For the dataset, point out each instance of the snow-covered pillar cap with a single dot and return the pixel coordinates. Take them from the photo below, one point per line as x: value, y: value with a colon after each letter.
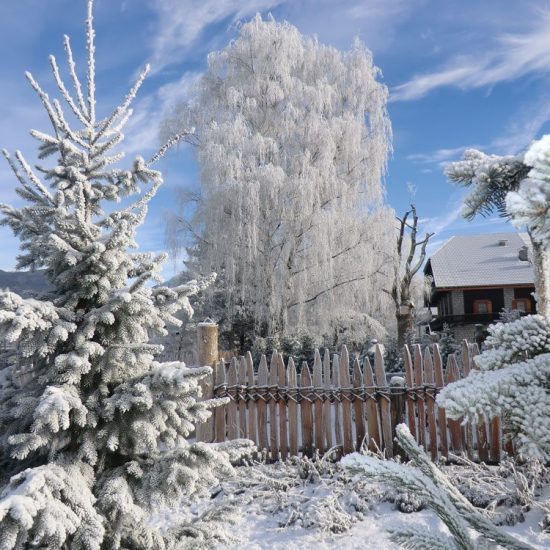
x: 207, y: 322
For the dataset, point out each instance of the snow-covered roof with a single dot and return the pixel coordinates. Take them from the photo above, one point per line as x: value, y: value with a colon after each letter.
x: 482, y: 260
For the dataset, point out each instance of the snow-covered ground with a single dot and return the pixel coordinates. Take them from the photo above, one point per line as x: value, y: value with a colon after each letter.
x: 259, y: 530
x: 305, y: 504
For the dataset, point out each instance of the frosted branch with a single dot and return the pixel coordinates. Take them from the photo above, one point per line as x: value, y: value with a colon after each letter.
x: 45, y: 101
x: 170, y: 143
x: 32, y: 177
x: 75, y: 79
x: 90, y: 35
x: 121, y: 110
x: 65, y: 93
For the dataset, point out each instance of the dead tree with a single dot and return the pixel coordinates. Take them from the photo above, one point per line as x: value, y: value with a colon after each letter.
x: 407, y: 266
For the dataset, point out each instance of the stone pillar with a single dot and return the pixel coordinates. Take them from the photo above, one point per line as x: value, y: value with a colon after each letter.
x: 457, y: 298
x: 508, y: 297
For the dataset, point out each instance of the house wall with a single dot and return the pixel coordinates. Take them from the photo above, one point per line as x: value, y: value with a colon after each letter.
x: 496, y: 295
x: 508, y: 297
x: 526, y: 292
x: 457, y: 301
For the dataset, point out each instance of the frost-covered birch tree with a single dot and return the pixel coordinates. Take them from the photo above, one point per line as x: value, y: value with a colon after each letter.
x: 292, y: 142
x: 96, y: 438
x: 519, y: 187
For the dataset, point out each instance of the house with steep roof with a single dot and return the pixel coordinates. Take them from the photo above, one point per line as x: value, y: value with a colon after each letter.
x: 475, y: 277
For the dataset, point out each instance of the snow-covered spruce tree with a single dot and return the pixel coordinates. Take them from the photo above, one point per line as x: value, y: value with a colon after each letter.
x: 469, y: 528
x: 292, y: 142
x: 514, y: 376
x: 97, y: 437
x: 513, y: 381
x: 519, y: 187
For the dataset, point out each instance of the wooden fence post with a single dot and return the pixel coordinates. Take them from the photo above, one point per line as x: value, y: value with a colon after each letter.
x: 384, y: 401
x: 397, y: 397
x: 442, y: 417
x: 306, y: 388
x: 219, y: 412
x: 429, y: 381
x: 466, y: 367
x: 318, y: 403
x: 261, y: 406
x: 409, y: 378
x: 374, y: 440
x: 207, y: 348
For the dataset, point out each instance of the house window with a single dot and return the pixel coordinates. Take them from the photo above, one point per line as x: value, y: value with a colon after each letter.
x: 483, y: 306
x: 522, y: 304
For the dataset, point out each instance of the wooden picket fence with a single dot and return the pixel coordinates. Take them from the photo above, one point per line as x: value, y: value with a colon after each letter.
x: 340, y: 405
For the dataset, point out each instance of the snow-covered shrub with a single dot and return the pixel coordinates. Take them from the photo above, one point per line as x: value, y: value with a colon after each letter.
x: 508, y: 315
x: 96, y: 438
x: 313, y: 494
x: 424, y: 479
x: 507, y: 491
x: 447, y: 343
x: 393, y: 356
x: 513, y: 382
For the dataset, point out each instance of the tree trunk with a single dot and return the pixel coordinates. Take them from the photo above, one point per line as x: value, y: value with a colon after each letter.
x: 541, y: 266
x: 404, y: 325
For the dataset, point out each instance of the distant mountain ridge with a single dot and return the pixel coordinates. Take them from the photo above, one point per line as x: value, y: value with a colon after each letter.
x: 25, y: 283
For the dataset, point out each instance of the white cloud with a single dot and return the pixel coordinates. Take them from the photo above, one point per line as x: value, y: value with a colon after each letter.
x: 511, y: 56
x: 524, y: 127
x: 182, y: 22
x: 439, y: 156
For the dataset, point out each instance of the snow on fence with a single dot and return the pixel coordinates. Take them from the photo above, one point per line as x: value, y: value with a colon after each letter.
x: 342, y: 404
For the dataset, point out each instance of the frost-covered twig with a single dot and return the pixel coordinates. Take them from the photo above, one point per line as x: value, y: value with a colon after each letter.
x: 445, y: 499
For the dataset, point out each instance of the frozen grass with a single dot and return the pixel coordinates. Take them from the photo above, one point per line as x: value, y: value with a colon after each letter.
x: 304, y: 504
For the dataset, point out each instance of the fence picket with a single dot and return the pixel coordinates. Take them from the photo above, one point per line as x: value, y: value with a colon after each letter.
x: 496, y: 439
x: 358, y: 406
x: 241, y: 379
x: 429, y: 380
x: 336, y: 384
x: 273, y: 378
x: 420, y: 404
x: 305, y: 410
x: 232, y: 427
x: 262, y: 405
x: 410, y: 402
x: 466, y: 367
x: 482, y: 436
x: 455, y: 429
x: 327, y: 407
x: 385, y: 409
x: 281, y: 377
x: 318, y: 402
x: 441, y: 416
x: 374, y: 442
x: 292, y: 408
x: 219, y: 412
x: 346, y: 404
x: 252, y: 413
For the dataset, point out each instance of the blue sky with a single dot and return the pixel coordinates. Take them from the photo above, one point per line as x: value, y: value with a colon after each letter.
x: 460, y: 73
